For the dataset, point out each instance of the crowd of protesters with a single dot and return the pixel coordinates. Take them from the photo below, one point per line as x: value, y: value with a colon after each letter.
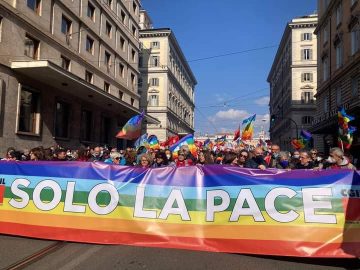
x: 257, y: 158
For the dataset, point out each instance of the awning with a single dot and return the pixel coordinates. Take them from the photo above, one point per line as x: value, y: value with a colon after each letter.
x: 59, y: 78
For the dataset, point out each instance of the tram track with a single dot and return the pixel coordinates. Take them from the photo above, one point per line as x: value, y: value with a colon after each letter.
x: 36, y: 256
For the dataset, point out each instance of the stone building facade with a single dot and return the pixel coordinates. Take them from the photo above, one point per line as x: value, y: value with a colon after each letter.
x: 68, y: 71
x: 292, y: 80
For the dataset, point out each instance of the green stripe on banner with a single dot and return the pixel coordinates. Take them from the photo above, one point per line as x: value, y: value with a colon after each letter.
x: 81, y: 197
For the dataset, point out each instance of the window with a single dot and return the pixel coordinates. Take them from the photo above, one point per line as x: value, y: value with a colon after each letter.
x: 88, y: 76
x: 133, y: 55
x: 134, y: 7
x: 105, y: 134
x: 62, y: 119
x: 89, y: 45
x: 155, y: 61
x: 154, y: 100
x: 307, y: 54
x: 29, y: 112
x: 133, y: 79
x: 32, y: 47
x: 307, y: 77
x: 325, y: 66
x: 86, y: 125
x: 354, y: 86
x: 91, y: 11
x: 65, y: 26
x: 325, y: 33
x: 132, y: 101
x: 122, y: 43
x: 121, y: 70
x: 65, y: 63
x: 35, y: 5
x: 307, y: 97
x: 306, y: 36
x: 107, y: 61
x: 338, y: 14
x: 123, y: 16
x: 108, y: 28
x: 133, y: 29
x: 155, y: 45
x: 355, y: 40
x: 107, y: 87
x: 339, y: 54
x: 338, y: 95
x: 121, y: 95
x: 306, y: 120
x: 154, y: 82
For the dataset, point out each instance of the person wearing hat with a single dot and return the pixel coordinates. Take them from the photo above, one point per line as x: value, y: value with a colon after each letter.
x: 160, y: 160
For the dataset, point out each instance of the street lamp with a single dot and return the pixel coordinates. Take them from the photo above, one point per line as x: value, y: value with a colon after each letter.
x: 273, y: 117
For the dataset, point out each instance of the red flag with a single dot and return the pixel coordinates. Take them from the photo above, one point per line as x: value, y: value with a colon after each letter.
x: 237, y: 134
x: 170, y: 141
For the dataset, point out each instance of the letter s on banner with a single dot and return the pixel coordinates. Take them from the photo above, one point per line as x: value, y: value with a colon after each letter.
x: 211, y: 208
x: 19, y: 193
x: 310, y: 205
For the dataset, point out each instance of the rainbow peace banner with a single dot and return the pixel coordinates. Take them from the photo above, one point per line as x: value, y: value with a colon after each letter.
x: 210, y: 208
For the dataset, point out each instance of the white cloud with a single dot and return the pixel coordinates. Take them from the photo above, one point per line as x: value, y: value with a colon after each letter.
x: 229, y: 120
x: 263, y: 101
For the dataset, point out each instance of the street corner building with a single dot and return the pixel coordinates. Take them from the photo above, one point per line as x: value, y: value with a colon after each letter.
x: 68, y: 71
x: 292, y: 80
x: 167, y: 83
x: 338, y: 33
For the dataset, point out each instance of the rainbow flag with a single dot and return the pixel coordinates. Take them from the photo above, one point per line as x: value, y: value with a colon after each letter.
x: 132, y: 129
x: 303, y: 141
x: 187, y: 140
x: 208, y: 208
x: 141, y: 141
x: 346, y: 131
x: 153, y: 142
x: 248, y: 131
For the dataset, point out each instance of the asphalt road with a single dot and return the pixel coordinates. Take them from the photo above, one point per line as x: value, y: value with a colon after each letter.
x: 62, y: 256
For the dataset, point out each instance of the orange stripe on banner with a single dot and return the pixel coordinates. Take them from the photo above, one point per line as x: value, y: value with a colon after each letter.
x: 265, y: 247
x: 290, y: 233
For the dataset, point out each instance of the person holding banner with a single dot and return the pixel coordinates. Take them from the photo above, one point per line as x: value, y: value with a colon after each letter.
x: 305, y: 161
x: 337, y: 160
x: 257, y: 161
x: 182, y: 161
x: 160, y: 160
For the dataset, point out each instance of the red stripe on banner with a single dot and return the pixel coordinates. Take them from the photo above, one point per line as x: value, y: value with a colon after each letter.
x: 352, y: 209
x: 262, y: 247
x: 2, y: 192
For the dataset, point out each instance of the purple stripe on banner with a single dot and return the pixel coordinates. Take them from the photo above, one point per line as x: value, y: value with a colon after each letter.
x: 214, y: 175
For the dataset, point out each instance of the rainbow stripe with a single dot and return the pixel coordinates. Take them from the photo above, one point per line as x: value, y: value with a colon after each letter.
x: 187, y: 140
x: 248, y: 131
x: 153, y: 142
x: 123, y: 226
x: 132, y: 129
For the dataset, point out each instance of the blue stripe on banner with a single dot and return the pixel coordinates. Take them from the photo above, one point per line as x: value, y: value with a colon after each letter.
x: 214, y: 175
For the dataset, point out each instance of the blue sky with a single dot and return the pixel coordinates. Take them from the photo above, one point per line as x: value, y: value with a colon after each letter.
x: 233, y: 87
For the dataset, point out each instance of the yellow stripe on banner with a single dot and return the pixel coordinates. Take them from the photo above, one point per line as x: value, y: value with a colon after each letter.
x: 285, y: 233
x: 197, y: 217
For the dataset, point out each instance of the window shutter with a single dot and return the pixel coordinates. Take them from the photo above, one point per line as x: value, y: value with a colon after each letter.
x: 311, y: 77
x: 310, y: 54
x: 310, y: 36
x: 302, y: 77
x: 302, y: 54
x: 302, y: 36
